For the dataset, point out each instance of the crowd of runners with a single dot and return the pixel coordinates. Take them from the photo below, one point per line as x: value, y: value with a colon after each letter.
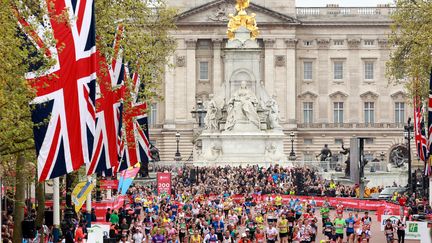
x: 200, y: 209
x: 197, y: 219
x: 220, y: 205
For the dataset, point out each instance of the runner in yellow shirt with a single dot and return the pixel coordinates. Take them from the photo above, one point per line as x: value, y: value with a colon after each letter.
x: 260, y: 221
x: 283, y: 229
x: 278, y: 201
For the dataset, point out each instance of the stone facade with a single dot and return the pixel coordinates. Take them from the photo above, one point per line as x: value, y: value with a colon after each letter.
x: 326, y: 67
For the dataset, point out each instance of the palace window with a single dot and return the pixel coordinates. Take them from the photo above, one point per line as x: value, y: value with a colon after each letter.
x: 153, y: 114
x: 369, y: 70
x: 399, y: 112
x: 338, y: 42
x: 369, y: 42
x: 338, y: 112
x: 307, y: 141
x: 308, y: 112
x: 308, y: 42
x: 204, y: 70
x: 307, y: 70
x: 338, y: 70
x: 369, y: 112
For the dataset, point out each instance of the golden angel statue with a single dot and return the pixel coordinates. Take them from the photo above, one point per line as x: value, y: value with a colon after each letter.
x: 242, y: 5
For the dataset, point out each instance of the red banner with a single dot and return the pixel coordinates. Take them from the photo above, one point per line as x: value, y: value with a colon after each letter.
x: 100, y: 207
x: 108, y: 184
x: 164, y: 183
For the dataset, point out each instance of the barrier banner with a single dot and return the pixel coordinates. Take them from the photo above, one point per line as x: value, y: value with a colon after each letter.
x: 163, y: 183
x: 382, y: 207
x: 108, y: 184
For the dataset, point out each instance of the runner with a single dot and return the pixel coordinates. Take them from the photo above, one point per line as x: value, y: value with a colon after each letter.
x: 340, y: 224
x: 283, y: 229
x: 271, y: 233
x: 366, y: 229
x: 324, y: 211
x: 389, y: 231
x: 350, y: 228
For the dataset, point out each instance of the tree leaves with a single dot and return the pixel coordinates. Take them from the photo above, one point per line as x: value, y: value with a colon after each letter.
x: 410, y: 59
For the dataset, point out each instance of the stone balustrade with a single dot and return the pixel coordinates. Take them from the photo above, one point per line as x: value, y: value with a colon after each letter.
x: 350, y: 125
x: 344, y: 11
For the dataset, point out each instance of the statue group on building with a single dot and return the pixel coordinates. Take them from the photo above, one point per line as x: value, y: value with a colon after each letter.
x: 242, y: 108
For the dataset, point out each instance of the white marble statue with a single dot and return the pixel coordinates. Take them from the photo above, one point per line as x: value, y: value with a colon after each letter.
x: 213, y: 115
x: 242, y: 107
x: 273, y: 113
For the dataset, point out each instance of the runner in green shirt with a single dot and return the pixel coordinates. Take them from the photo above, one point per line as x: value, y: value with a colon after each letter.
x: 324, y: 211
x: 340, y: 225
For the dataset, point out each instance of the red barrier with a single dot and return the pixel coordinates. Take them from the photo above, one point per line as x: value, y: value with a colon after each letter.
x: 100, y: 207
x: 381, y: 207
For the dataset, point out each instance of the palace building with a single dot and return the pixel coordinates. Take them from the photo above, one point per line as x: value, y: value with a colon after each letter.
x: 324, y: 65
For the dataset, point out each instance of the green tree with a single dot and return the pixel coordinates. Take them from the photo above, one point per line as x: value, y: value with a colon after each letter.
x: 146, y: 43
x: 411, y: 38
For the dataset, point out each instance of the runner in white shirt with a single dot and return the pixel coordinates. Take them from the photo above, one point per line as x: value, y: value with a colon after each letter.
x: 271, y: 233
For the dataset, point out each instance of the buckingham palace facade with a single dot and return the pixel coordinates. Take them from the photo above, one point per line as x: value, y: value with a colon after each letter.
x: 325, y: 66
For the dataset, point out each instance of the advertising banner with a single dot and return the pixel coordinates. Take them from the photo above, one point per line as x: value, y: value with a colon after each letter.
x: 97, y: 232
x: 164, y: 183
x: 417, y: 231
x: 108, y: 184
x: 393, y: 218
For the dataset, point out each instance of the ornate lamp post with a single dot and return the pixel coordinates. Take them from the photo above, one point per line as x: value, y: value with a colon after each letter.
x: 292, y: 155
x: 408, y: 129
x: 199, y: 113
x: 382, y: 157
x: 177, y: 156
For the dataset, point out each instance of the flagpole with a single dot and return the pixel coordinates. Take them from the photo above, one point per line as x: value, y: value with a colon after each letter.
x: 56, y: 209
x: 1, y: 210
x: 89, y: 205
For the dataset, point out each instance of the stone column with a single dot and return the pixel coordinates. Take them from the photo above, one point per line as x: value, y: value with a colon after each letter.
x: 269, y: 65
x: 190, y: 79
x: 291, y: 105
x: 169, y: 96
x: 217, y: 65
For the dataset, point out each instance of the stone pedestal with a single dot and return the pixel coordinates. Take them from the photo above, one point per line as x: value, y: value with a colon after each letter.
x: 248, y: 138
x: 241, y: 147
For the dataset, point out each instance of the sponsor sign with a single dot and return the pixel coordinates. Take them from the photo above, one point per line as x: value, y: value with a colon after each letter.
x: 97, y: 232
x: 164, y: 183
x: 417, y: 231
x: 393, y: 218
x: 108, y: 184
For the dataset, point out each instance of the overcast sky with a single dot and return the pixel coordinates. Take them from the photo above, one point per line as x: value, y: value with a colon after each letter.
x: 342, y: 3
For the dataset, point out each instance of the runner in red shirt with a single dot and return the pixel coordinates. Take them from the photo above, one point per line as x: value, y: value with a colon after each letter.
x: 339, y: 209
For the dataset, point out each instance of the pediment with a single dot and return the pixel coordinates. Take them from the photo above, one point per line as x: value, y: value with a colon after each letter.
x: 307, y: 95
x: 338, y: 95
x: 369, y: 95
x: 216, y: 13
x: 398, y: 95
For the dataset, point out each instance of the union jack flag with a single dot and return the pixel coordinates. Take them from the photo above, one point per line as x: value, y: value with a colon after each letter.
x: 109, y: 110
x: 65, y: 94
x: 420, y: 135
x: 429, y: 144
x: 136, y: 145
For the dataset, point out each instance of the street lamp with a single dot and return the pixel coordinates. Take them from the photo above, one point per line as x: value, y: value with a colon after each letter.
x: 177, y: 156
x: 199, y: 113
x: 408, y: 129
x: 292, y: 155
x: 382, y: 156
